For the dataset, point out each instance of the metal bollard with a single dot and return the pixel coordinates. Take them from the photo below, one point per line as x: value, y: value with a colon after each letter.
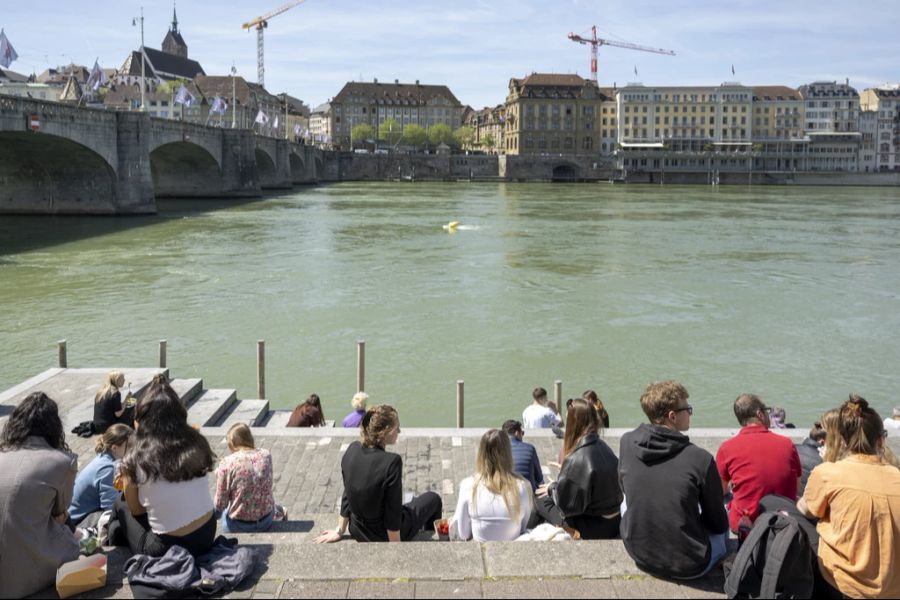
x: 261, y: 369
x: 360, y: 365
x: 162, y: 354
x: 63, y: 359
x: 557, y: 394
x: 460, y: 401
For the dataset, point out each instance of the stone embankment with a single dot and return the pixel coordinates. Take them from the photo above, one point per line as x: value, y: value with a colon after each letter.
x: 308, y: 482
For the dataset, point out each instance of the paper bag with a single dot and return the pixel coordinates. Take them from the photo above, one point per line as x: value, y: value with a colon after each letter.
x: 82, y: 575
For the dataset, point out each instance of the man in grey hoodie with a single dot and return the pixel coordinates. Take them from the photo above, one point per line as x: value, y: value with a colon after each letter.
x: 675, y: 524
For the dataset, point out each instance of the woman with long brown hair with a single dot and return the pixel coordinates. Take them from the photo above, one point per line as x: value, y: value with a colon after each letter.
x: 372, y: 504
x: 495, y: 504
x: 586, y: 497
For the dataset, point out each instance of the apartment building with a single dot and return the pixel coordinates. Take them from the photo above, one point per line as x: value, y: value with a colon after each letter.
x: 868, y: 134
x: 489, y: 125
x: 779, y: 118
x: 553, y: 114
x: 320, y: 121
x: 406, y: 103
x: 885, y: 104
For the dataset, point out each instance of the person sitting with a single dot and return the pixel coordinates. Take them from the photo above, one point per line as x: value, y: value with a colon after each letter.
x: 586, y: 497
x: 37, y: 472
x: 857, y: 502
x: 94, y: 490
x: 525, y: 458
x: 108, y: 408
x: 371, y: 505
x: 892, y: 424
x: 359, y: 401
x: 540, y: 414
x: 592, y: 397
x: 165, y: 475
x: 756, y: 463
x: 777, y: 418
x: 244, y: 485
x: 308, y: 414
x: 495, y: 504
x: 674, y: 524
x: 810, y: 452
x: 833, y: 450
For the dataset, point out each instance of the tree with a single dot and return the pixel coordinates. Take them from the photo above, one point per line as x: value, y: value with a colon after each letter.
x: 390, y: 131
x: 361, y: 133
x: 414, y: 135
x: 464, y: 136
x: 487, y: 141
x: 440, y: 134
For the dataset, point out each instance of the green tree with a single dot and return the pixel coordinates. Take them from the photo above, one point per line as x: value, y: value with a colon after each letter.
x: 170, y: 87
x: 488, y: 141
x: 464, y: 136
x: 390, y: 131
x: 414, y: 135
x: 361, y: 133
x: 440, y: 134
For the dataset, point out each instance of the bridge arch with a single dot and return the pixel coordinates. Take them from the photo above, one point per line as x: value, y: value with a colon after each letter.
x: 52, y: 174
x: 565, y: 172
x: 298, y: 168
x: 183, y: 169
x: 265, y: 166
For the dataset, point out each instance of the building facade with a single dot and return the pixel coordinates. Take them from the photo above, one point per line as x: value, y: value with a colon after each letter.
x: 320, y: 120
x: 374, y: 103
x: 779, y: 117
x: 831, y: 107
x: 489, y: 125
x: 548, y: 113
x: 885, y: 104
x: 868, y: 134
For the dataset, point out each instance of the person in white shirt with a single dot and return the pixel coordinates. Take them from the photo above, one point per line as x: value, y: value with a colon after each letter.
x: 495, y: 504
x: 540, y: 414
x: 892, y: 425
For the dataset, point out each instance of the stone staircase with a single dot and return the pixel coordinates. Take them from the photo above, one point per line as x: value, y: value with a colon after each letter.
x: 218, y: 407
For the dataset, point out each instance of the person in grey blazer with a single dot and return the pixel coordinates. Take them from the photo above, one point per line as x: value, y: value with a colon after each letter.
x: 37, y: 474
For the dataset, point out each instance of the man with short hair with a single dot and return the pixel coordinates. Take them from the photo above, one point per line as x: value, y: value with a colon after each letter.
x: 525, y: 457
x: 540, y: 414
x: 809, y: 451
x: 674, y: 522
x: 756, y: 462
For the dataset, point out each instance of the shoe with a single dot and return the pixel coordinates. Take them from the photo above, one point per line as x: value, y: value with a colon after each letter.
x: 280, y: 513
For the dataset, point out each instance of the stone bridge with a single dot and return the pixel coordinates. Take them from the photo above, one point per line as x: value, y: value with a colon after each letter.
x: 59, y: 159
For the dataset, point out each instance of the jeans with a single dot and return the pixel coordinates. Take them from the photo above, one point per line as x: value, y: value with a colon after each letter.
x: 230, y: 525
x: 718, y: 550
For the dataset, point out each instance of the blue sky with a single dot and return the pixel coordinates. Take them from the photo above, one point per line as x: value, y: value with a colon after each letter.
x: 475, y: 46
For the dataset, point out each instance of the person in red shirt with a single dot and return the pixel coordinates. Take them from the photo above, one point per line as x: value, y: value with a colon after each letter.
x: 756, y: 463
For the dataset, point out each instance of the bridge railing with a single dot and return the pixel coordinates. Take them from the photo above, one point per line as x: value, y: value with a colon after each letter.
x: 56, y: 111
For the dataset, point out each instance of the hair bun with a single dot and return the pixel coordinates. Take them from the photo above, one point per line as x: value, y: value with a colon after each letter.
x: 857, y: 403
x: 367, y: 418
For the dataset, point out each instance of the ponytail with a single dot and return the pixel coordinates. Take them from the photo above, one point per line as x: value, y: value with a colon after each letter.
x: 860, y: 426
x: 377, y: 424
x: 115, y: 435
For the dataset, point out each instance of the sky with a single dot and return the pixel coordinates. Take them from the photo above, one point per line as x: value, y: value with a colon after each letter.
x: 476, y: 46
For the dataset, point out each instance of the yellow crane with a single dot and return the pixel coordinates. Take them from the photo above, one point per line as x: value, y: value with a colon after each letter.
x: 260, y: 23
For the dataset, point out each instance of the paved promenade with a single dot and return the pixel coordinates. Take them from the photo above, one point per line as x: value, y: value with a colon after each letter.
x: 308, y: 482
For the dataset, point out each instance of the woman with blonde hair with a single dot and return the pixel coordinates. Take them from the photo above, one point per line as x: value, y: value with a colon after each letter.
x: 354, y: 419
x: 495, y: 504
x: 834, y: 446
x: 108, y: 407
x: 244, y: 487
x: 372, y: 503
x: 94, y: 490
x: 586, y: 497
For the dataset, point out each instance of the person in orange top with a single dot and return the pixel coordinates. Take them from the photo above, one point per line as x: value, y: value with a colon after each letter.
x: 857, y: 502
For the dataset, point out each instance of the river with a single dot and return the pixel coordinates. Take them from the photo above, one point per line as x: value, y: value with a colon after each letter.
x: 789, y: 292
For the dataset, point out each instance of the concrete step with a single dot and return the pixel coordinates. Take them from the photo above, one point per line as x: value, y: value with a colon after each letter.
x: 77, y: 387
x: 187, y: 389
x: 250, y: 412
x: 277, y: 419
x: 209, y: 407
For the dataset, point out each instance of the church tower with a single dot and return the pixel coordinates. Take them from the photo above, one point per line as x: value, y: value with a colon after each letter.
x: 174, y: 43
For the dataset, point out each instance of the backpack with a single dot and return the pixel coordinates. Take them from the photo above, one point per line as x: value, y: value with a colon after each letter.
x: 775, y: 561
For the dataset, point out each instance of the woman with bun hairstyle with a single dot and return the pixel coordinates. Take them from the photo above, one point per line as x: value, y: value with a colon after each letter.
x: 592, y: 397
x: 372, y: 503
x: 857, y: 502
x: 94, y: 489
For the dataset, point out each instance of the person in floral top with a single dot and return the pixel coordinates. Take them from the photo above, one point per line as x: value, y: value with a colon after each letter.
x: 244, y: 485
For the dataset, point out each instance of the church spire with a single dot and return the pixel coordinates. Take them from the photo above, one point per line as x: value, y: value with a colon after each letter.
x: 174, y: 19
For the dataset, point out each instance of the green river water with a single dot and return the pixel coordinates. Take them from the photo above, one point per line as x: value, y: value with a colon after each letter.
x: 791, y: 293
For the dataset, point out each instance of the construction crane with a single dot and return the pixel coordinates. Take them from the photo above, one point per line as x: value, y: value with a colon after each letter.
x: 260, y: 23
x: 596, y: 42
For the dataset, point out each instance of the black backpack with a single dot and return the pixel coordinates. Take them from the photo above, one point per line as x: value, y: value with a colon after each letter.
x: 775, y: 561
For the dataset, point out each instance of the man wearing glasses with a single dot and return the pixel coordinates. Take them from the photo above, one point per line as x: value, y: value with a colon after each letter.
x: 674, y: 524
x: 756, y: 463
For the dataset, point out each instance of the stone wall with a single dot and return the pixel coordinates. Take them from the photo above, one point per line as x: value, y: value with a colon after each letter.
x: 349, y: 166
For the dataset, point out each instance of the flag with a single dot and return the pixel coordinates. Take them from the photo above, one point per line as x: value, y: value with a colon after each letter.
x: 97, y: 77
x: 732, y: 69
x: 276, y: 122
x: 184, y: 97
x: 218, y: 106
x: 7, y: 52
x: 262, y: 118
x: 635, y: 71
x: 297, y: 130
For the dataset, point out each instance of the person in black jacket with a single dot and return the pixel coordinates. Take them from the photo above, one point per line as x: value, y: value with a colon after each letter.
x: 372, y: 503
x: 810, y: 455
x: 674, y: 524
x: 586, y: 497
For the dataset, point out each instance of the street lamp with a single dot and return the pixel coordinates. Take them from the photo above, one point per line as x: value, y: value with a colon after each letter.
x: 233, y: 103
x: 134, y: 23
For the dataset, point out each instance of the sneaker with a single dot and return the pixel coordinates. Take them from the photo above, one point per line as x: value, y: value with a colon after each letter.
x: 280, y: 513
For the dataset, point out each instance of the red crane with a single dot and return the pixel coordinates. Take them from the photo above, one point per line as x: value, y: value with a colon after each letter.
x: 596, y: 42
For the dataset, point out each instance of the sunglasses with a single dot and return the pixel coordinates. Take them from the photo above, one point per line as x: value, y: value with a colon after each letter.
x: 688, y: 408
